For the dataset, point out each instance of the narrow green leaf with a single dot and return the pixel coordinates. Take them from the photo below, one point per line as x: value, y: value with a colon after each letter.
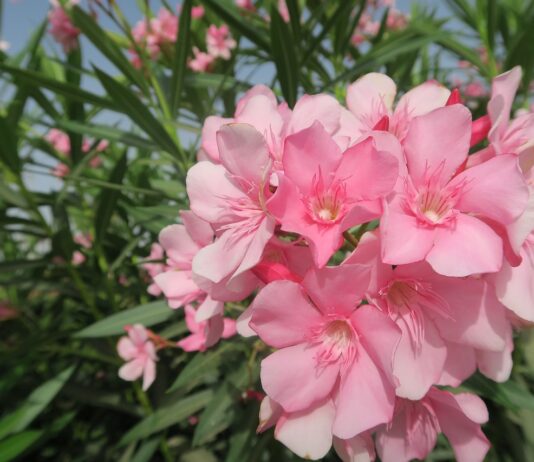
x: 181, y: 51
x: 19, y: 420
x: 202, y: 364
x: 101, y: 40
x: 108, y: 199
x: 14, y: 265
x: 17, y: 444
x: 285, y: 57
x: 8, y: 146
x: 148, y: 315
x: 138, y: 112
x: 146, y: 451
x: 21, y: 76
x: 508, y: 394
x: 167, y: 416
x: 218, y: 415
x: 229, y: 14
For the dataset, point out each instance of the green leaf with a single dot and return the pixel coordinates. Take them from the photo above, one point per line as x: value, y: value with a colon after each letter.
x: 167, y: 416
x: 17, y: 444
x: 285, y: 57
x: 218, y: 415
x: 181, y: 51
x: 204, y: 363
x: 148, y: 315
x: 230, y: 15
x: 101, y: 40
x: 8, y: 146
x: 19, y: 420
x: 14, y: 265
x: 146, y: 451
x: 509, y: 394
x: 108, y: 199
x: 138, y: 112
x: 21, y: 76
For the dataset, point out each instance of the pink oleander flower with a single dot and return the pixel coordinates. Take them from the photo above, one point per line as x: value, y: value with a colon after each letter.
x: 154, y: 268
x: 510, y: 136
x: 202, y: 62
x: 309, y: 433
x: 61, y: 27
x: 329, y: 349
x: 414, y: 429
x: 61, y: 170
x: 246, y: 4
x: 475, y: 90
x: 513, y: 283
x: 259, y: 108
x: 396, y: 19
x: 78, y: 258
x: 283, y: 10
x: 206, y: 333
x: 439, y: 214
x: 232, y: 197
x: 371, y: 98
x: 178, y: 283
x: 140, y: 353
x: 440, y: 319
x: 59, y: 140
x: 7, y: 311
x: 84, y: 239
x: 197, y: 12
x: 219, y: 41
x: 325, y: 191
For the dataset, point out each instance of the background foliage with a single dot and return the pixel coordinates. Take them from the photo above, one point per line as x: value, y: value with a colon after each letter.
x: 61, y: 398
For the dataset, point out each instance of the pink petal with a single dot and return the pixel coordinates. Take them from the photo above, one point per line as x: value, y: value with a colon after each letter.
x: 366, y: 172
x: 211, y: 126
x: 371, y: 97
x: 132, y: 370
x: 477, y: 318
x: 312, y: 108
x: 208, y: 309
x: 470, y: 247
x: 213, y: 330
x: 292, y: 377
x: 366, y: 398
x: 126, y: 349
x: 277, y: 325
x: 337, y: 288
x: 380, y: 336
x: 270, y: 412
x: 200, y: 230
x: 460, y: 364
x: 420, y: 100
x: 242, y: 324
x: 404, y: 240
x: 209, y: 189
x: 307, y: 153
x: 138, y: 334
x: 261, y: 112
x: 418, y: 365
x: 439, y: 139
x: 179, y: 245
x: 230, y: 328
x: 149, y: 374
x: 360, y: 448
x: 495, y: 189
x: 193, y: 342
x: 503, y: 89
x: 497, y: 365
x: 308, y: 433
x: 466, y: 437
x: 514, y: 286
x: 253, y: 92
x: 244, y: 153
x: 178, y: 286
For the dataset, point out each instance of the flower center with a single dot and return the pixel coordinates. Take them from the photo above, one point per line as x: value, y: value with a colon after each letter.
x: 327, y: 204
x: 338, y: 342
x: 434, y: 205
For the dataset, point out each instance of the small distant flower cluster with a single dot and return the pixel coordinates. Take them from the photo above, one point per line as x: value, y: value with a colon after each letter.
x: 369, y: 23
x: 61, y: 27
x: 219, y: 44
x: 385, y: 261
x: 155, y: 36
x: 60, y: 141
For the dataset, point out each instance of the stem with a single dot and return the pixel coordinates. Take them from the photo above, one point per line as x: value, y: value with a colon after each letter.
x: 353, y: 241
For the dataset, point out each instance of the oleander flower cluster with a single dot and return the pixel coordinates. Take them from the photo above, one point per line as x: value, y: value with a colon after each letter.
x: 387, y: 247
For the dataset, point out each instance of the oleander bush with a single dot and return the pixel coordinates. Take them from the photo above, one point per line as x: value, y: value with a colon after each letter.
x: 308, y: 215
